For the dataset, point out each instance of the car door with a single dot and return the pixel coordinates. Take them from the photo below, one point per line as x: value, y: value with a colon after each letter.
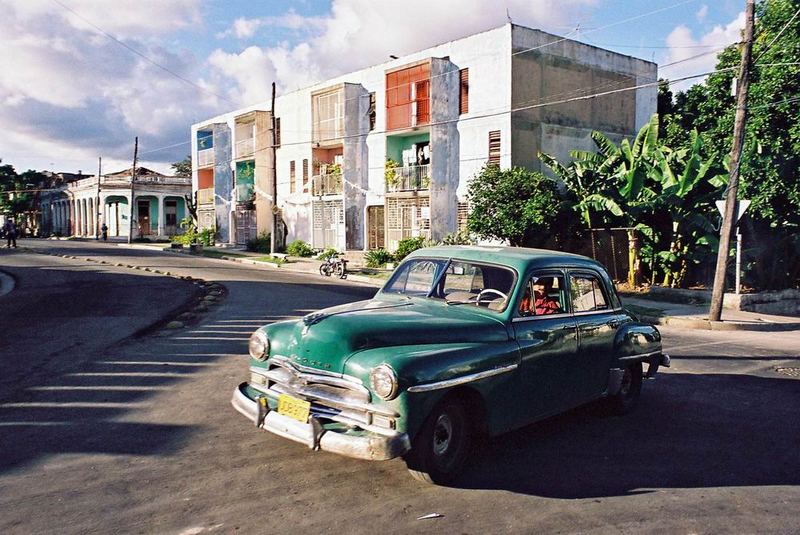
x: 548, y: 348
x: 597, y: 320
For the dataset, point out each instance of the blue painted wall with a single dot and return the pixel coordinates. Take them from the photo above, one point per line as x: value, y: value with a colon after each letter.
x: 223, y: 180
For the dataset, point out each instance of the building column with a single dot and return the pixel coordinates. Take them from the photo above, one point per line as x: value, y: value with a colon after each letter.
x: 84, y: 218
x: 445, y: 165
x: 160, y: 216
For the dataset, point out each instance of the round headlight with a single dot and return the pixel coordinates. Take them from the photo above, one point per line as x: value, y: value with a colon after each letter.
x: 259, y: 345
x: 383, y: 381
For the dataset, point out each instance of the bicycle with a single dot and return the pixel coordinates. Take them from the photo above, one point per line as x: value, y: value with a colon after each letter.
x: 334, y: 265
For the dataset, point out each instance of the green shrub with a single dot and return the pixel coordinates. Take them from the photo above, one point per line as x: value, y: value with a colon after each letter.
x: 190, y: 236
x: 378, y: 258
x: 408, y: 246
x: 260, y: 244
x: 330, y: 252
x: 206, y: 236
x: 299, y: 248
x: 461, y: 237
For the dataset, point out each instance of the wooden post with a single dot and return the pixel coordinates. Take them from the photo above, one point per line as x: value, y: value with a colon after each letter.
x: 133, y: 181
x: 274, y: 172
x: 97, y: 211
x: 729, y: 219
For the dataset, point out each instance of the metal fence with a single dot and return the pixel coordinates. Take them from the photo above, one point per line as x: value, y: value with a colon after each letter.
x: 607, y: 246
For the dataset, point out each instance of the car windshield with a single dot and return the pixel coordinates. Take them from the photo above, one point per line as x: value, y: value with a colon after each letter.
x: 455, y: 281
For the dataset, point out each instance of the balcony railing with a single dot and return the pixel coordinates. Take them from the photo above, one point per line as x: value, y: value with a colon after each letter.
x: 327, y: 184
x: 205, y: 158
x: 205, y: 196
x: 412, y: 178
x: 245, y: 147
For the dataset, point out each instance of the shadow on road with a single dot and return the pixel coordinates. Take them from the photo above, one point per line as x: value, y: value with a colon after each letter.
x: 691, y: 431
x: 148, y: 396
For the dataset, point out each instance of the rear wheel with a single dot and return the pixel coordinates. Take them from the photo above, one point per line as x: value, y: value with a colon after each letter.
x: 626, y: 399
x: 443, y: 445
x: 325, y: 270
x: 340, y: 270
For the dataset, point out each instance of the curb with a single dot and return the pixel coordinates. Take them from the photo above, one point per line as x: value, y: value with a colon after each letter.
x: 240, y: 260
x: 707, y: 325
x: 210, y: 293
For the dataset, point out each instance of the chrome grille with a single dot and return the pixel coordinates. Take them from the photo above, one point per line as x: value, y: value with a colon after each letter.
x: 332, y: 396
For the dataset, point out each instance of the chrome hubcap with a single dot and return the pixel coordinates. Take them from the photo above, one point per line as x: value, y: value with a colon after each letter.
x: 442, y: 434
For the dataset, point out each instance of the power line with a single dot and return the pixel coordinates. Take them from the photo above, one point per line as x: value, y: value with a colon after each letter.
x: 140, y: 54
x: 796, y: 13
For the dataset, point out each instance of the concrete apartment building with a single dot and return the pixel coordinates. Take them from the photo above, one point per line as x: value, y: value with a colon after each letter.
x: 374, y: 156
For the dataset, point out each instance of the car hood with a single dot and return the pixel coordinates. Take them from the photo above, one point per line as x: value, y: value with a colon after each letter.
x: 328, y: 338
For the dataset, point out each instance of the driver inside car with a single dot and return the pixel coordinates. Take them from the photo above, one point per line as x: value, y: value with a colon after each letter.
x: 542, y: 303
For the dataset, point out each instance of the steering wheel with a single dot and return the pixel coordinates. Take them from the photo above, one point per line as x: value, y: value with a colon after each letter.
x: 489, y: 291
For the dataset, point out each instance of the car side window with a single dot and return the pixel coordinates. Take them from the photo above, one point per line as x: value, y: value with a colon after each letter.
x: 543, y: 295
x: 587, y: 293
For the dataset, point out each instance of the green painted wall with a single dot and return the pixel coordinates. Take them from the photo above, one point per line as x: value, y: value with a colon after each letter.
x: 395, y: 145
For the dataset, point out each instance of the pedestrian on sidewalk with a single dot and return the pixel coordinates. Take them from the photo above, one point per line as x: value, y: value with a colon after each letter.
x: 104, y: 231
x: 10, y: 230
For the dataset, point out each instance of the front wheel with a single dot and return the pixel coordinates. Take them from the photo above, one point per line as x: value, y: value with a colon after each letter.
x: 626, y: 399
x: 443, y: 445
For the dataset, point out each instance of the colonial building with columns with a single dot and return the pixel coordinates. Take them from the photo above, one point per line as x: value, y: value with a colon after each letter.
x: 80, y: 208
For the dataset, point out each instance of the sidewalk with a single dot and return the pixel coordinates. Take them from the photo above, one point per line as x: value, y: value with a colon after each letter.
x: 696, y: 317
x: 648, y: 310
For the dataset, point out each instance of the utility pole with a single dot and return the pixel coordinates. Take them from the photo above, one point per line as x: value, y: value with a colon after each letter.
x: 274, y: 173
x: 133, y: 181
x: 97, y: 211
x: 729, y: 219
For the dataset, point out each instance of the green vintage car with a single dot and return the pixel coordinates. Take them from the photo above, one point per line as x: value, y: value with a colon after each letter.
x: 460, y: 342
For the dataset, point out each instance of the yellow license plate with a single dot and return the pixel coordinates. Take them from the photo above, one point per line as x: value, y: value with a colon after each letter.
x: 294, y: 408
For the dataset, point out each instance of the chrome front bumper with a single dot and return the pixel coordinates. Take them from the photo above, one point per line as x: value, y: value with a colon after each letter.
x: 370, y: 446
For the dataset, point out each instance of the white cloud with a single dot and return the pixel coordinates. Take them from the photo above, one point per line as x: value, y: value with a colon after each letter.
x: 69, y: 94
x: 122, y: 19
x: 358, y: 33
x: 243, y: 28
x: 684, y: 47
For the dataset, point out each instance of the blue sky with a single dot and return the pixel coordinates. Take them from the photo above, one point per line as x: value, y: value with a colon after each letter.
x: 69, y: 93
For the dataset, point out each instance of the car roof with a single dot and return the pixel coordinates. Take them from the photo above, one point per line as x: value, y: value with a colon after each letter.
x: 520, y: 258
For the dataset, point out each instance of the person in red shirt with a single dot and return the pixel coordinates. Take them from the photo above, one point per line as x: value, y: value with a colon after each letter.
x: 542, y: 303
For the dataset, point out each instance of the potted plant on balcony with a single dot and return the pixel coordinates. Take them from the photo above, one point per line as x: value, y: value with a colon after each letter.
x: 390, y: 173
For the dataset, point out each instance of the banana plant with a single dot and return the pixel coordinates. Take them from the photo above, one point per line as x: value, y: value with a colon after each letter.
x: 687, y: 186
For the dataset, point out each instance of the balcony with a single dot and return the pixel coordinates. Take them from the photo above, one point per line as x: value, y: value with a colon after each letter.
x: 245, y: 147
x: 327, y: 184
x: 205, y: 196
x: 411, y: 178
x: 205, y: 158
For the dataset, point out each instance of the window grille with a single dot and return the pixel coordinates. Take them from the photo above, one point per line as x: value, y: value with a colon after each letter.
x: 463, y: 94
x: 494, y: 147
x: 462, y: 214
x: 305, y: 175
x: 292, y: 181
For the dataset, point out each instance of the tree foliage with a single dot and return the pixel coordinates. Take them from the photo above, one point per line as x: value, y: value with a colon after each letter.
x: 183, y: 168
x: 666, y: 193
x: 515, y: 205
x: 770, y: 162
x: 770, y: 166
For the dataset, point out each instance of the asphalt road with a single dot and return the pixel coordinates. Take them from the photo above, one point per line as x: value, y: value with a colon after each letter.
x: 139, y: 436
